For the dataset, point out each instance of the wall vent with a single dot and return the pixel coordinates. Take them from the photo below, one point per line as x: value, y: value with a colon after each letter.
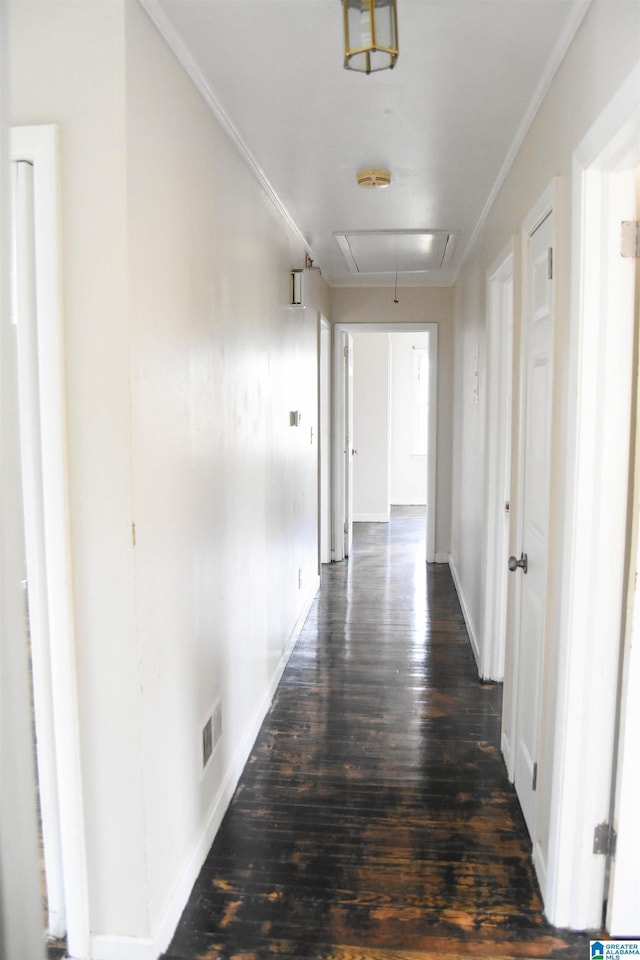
x: 207, y: 742
x: 211, y: 733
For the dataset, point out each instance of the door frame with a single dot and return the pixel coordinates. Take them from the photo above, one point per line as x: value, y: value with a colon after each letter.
x: 500, y: 315
x: 324, y: 441
x: 39, y: 146
x: 588, y: 664
x: 338, y: 494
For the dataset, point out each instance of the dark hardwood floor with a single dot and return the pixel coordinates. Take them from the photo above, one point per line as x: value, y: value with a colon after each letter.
x: 374, y: 820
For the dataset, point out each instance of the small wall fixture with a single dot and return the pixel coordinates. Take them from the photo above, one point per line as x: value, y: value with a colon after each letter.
x: 296, y: 288
x: 370, y: 35
x: 373, y: 178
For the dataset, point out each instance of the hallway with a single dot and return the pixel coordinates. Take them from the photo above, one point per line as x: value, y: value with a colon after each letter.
x: 374, y: 820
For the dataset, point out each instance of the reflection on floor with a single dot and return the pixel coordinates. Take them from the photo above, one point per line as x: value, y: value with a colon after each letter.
x: 374, y: 820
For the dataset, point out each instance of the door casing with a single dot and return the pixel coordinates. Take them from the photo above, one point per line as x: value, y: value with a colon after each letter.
x: 595, y: 558
x: 499, y: 421
x: 39, y: 146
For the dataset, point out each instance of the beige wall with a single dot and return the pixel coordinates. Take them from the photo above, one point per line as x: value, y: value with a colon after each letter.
x: 182, y: 364
x: 417, y: 305
x: 600, y: 58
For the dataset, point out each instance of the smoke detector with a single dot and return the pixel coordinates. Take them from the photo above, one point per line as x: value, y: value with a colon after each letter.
x: 373, y: 178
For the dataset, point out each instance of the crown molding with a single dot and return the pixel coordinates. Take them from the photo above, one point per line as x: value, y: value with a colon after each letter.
x: 158, y: 17
x: 575, y: 18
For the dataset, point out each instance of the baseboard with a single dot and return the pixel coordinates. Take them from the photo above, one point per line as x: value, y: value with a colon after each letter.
x: 133, y: 948
x: 508, y: 756
x: 540, y: 867
x: 122, y: 948
x: 473, y: 640
x: 371, y: 518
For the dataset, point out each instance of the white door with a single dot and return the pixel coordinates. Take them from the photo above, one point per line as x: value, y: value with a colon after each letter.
x: 347, y: 342
x: 536, y: 389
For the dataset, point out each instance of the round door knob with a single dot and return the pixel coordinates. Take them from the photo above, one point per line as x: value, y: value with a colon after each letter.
x: 522, y: 563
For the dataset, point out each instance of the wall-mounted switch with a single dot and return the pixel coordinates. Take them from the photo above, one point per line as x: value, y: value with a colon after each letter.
x: 294, y: 418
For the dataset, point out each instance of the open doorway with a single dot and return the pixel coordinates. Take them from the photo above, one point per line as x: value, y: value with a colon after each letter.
x: 375, y: 422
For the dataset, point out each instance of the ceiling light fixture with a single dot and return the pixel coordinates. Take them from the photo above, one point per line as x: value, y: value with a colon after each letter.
x: 373, y: 177
x: 370, y: 35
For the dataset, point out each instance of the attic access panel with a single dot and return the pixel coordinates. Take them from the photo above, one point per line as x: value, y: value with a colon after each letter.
x: 388, y: 251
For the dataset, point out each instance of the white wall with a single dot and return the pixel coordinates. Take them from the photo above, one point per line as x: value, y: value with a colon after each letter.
x: 408, y: 470
x: 600, y: 58
x: 371, y: 439
x: 417, y: 305
x: 182, y: 364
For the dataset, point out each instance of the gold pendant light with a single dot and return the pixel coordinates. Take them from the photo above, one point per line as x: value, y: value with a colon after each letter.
x: 370, y: 35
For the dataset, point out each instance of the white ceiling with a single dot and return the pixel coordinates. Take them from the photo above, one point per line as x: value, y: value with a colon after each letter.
x: 446, y: 121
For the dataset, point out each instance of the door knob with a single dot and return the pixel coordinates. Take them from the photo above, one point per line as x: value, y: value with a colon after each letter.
x: 522, y: 562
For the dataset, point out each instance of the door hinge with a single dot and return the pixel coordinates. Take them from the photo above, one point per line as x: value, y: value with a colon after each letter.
x: 550, y: 263
x: 346, y: 351
x: 133, y: 534
x: 630, y: 239
x: 604, y: 839
x: 534, y: 783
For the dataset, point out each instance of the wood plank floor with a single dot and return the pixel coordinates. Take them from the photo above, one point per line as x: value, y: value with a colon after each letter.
x: 374, y: 820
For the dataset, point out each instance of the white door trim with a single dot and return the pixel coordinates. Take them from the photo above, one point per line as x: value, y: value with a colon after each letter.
x: 598, y: 389
x: 324, y: 439
x: 498, y: 427
x: 338, y: 418
x: 39, y: 145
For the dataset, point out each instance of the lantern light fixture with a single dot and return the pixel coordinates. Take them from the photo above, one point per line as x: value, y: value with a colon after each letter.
x: 370, y: 35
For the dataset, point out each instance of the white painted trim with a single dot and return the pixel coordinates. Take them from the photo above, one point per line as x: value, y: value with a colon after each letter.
x: 184, y: 56
x: 338, y: 490
x: 565, y: 38
x: 26, y: 318
x: 473, y: 638
x: 507, y: 753
x: 371, y: 517
x: 432, y: 452
x: 586, y: 668
x: 498, y: 413
x: 324, y: 441
x: 39, y: 145
x: 121, y: 948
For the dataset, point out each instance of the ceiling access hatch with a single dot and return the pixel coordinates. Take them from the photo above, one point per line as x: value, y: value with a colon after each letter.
x: 401, y: 251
